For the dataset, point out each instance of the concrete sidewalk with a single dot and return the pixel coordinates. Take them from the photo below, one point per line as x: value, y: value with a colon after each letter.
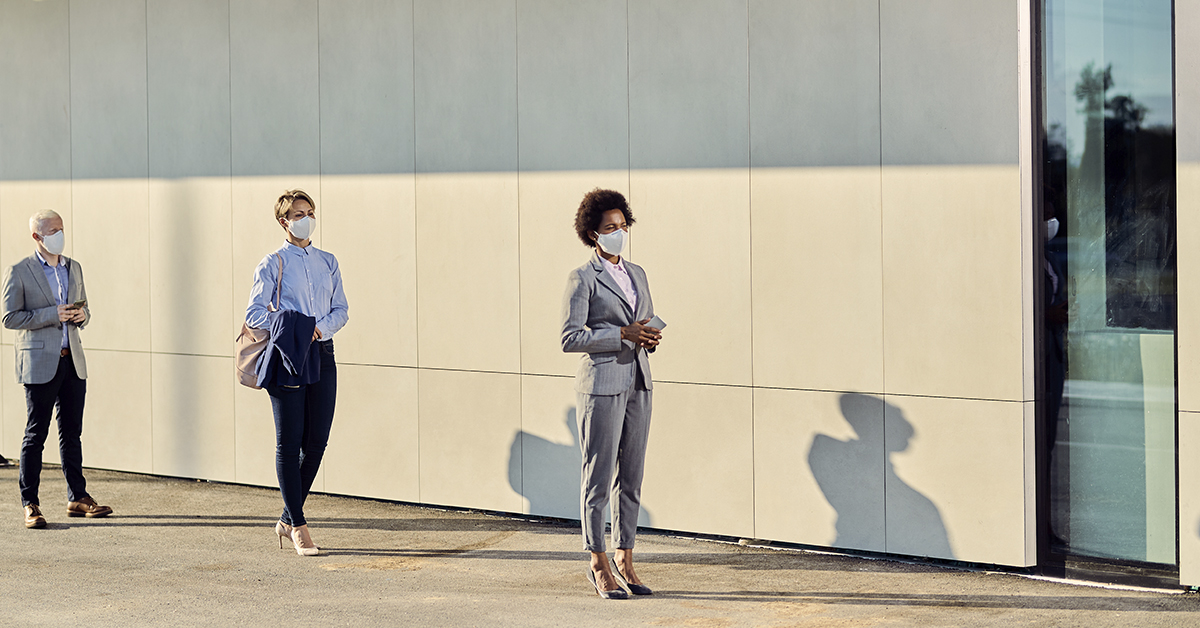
x: 185, y: 553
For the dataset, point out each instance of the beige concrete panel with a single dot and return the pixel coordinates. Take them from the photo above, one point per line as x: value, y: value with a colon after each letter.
x: 190, y: 266
x: 819, y: 468
x: 18, y: 201
x: 188, y: 76
x: 117, y: 428
x: 373, y: 448
x: 550, y: 250
x: 110, y: 235
x: 547, y: 448
x: 693, y: 240
x: 256, y: 234
x: 1187, y: 185
x: 817, y: 278
x: 952, y: 298
x: 955, y: 480
x: 274, y: 88
x: 1189, y: 499
x: 468, y: 271
x: 254, y: 437
x: 194, y: 416
x: 369, y: 225
x: 468, y: 422
x: 13, y: 414
x: 700, y: 460
x: 35, y: 70
x: 109, y: 124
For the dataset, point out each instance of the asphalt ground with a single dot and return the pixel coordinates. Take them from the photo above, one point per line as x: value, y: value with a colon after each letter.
x: 187, y: 553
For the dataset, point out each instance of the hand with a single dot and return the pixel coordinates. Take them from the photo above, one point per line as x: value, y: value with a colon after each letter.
x: 66, y: 313
x: 80, y: 315
x: 641, y: 335
x: 316, y: 334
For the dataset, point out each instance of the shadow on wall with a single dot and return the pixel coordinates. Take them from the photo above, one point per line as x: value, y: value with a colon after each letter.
x: 848, y: 473
x: 546, y: 473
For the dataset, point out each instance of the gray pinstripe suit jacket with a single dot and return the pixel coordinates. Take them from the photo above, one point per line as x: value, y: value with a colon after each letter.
x: 30, y: 308
x: 594, y: 311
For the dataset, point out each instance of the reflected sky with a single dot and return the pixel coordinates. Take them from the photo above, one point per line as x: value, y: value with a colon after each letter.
x: 1133, y: 35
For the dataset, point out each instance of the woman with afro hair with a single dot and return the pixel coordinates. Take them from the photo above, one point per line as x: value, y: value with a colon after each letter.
x: 606, y: 312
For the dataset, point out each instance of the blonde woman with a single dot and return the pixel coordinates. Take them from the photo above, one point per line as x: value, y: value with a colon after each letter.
x: 300, y: 377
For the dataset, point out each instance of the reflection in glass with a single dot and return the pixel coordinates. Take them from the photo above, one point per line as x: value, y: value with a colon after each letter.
x: 1109, y: 182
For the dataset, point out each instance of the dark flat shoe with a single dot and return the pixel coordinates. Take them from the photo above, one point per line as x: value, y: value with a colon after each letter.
x: 615, y: 594
x: 636, y: 589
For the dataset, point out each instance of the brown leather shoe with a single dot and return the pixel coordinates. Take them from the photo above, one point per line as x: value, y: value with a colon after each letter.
x: 33, y: 517
x: 87, y: 507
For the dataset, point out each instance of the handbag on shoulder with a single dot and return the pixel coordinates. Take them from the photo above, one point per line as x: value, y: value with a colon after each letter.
x: 251, y: 342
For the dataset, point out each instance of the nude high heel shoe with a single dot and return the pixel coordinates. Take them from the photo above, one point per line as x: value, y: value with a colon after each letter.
x: 284, y: 531
x: 303, y: 542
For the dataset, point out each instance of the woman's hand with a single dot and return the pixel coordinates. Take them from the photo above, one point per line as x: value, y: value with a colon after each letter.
x: 641, y: 335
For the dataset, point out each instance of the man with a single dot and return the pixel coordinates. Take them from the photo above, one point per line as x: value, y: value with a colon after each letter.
x: 45, y: 301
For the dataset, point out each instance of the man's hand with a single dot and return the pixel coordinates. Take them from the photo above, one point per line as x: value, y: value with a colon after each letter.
x: 316, y: 334
x: 66, y: 313
x: 641, y: 335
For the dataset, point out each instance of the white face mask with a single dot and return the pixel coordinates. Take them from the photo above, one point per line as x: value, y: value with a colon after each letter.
x: 303, y: 228
x: 1051, y: 229
x: 55, y: 243
x: 612, y: 243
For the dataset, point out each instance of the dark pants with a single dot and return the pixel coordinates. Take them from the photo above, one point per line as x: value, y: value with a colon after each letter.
x: 67, y: 391
x: 303, y: 418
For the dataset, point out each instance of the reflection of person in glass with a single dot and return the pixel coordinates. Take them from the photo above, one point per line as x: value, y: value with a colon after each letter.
x: 1056, y: 326
x: 605, y: 311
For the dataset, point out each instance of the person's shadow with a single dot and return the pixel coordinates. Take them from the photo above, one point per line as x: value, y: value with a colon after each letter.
x: 876, y: 510
x: 547, y: 473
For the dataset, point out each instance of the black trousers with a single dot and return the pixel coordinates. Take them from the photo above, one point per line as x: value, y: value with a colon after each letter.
x: 66, y: 391
x: 303, y: 420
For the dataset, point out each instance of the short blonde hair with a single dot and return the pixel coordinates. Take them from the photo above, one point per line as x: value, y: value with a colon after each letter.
x: 37, y: 220
x: 289, y: 198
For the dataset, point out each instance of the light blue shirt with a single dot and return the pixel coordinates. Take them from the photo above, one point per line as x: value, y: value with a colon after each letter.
x: 57, y: 277
x: 312, y: 285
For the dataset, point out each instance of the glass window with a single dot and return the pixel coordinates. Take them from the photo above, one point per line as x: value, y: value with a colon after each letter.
x: 1109, y: 199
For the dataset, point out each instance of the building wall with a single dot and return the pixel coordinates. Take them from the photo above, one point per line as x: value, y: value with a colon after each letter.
x: 829, y: 204
x: 1187, y: 129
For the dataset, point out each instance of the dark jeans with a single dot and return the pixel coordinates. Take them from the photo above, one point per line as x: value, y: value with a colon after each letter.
x: 303, y: 418
x: 67, y: 390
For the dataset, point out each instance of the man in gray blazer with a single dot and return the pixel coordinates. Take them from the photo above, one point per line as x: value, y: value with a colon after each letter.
x: 45, y: 301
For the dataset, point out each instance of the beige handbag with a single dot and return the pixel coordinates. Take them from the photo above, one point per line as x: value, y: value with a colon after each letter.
x: 251, y: 342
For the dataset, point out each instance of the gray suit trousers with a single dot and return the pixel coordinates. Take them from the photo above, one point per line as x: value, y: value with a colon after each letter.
x: 613, y: 430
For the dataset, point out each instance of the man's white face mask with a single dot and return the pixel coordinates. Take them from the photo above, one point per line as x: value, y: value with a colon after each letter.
x: 55, y: 243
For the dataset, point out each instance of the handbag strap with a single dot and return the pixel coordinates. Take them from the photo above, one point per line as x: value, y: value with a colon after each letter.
x: 279, y: 282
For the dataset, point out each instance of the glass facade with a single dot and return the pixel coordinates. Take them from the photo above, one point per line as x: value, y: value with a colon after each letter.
x: 1109, y: 343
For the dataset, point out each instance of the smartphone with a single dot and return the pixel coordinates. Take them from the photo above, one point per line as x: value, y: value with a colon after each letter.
x: 656, y: 323
x: 78, y: 304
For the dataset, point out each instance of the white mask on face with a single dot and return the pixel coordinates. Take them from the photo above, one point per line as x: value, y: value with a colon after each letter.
x: 1051, y: 229
x: 303, y: 228
x: 612, y: 243
x: 55, y: 243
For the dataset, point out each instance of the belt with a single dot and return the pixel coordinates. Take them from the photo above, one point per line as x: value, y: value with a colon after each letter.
x: 64, y: 353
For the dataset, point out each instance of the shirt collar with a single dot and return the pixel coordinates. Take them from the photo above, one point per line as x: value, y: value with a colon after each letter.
x: 620, y: 265
x: 43, y: 260
x: 295, y: 250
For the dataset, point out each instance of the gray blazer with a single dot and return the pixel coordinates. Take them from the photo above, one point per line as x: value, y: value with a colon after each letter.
x: 30, y: 308
x: 594, y: 311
